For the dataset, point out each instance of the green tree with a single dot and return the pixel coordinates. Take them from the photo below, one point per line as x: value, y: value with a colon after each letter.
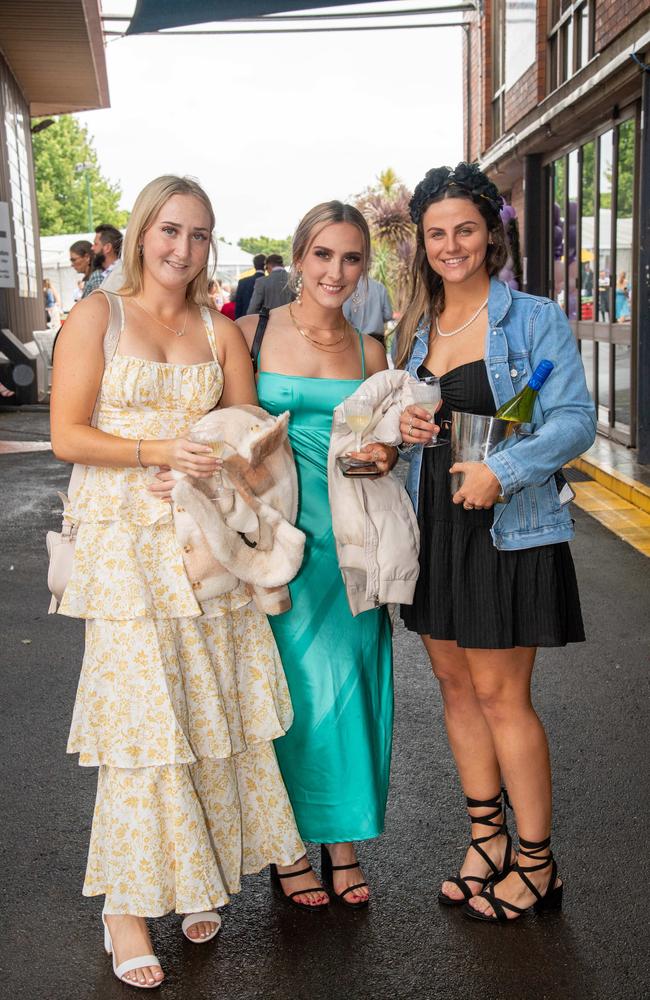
x: 267, y: 245
x: 61, y: 188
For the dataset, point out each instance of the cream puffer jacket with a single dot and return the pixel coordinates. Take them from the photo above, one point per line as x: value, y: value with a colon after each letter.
x: 250, y: 538
x: 374, y: 524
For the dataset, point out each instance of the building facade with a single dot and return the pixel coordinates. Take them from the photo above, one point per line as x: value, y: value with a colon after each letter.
x: 51, y: 62
x: 557, y: 115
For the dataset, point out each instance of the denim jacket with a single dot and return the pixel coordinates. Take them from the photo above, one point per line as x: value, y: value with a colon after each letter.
x: 522, y: 331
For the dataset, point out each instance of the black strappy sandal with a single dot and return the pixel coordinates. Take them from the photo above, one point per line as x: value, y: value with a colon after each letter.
x: 327, y: 875
x: 551, y: 899
x: 500, y: 827
x: 290, y: 897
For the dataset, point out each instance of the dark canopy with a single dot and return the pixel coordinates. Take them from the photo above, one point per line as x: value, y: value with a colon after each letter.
x: 153, y: 15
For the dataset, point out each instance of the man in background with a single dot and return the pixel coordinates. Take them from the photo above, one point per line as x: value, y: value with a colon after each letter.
x: 369, y: 308
x: 246, y: 285
x: 271, y: 291
x: 106, y: 248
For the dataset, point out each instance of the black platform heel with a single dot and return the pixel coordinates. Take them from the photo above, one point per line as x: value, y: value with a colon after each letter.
x: 500, y: 827
x: 551, y: 899
x: 327, y: 875
x: 290, y: 897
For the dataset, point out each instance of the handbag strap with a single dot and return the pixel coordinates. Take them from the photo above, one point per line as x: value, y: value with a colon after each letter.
x: 111, y: 337
x: 109, y: 343
x: 259, y: 336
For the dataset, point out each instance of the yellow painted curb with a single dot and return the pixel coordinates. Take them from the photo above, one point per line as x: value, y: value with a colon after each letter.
x: 624, y: 486
x: 625, y: 519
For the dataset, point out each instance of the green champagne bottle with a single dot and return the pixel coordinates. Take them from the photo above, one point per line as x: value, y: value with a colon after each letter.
x: 519, y: 409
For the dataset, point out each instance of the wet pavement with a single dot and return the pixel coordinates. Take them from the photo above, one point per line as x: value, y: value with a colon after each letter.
x: 592, y: 697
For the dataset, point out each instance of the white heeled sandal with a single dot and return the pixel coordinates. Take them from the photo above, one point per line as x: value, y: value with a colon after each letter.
x: 141, y: 962
x: 197, y: 918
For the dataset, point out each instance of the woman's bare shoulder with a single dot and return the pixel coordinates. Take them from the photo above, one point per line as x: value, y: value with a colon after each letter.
x: 248, y: 326
x: 375, y: 352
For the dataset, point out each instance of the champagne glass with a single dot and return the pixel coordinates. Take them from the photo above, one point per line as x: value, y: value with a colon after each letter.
x: 217, y: 447
x: 357, y: 410
x: 427, y: 394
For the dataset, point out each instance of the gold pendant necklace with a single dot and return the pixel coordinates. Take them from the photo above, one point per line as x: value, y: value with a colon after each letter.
x: 317, y: 343
x: 179, y: 333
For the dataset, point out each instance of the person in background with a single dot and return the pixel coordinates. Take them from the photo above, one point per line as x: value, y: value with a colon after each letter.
x: 622, y: 299
x: 78, y: 293
x: 369, y: 308
x: 215, y: 294
x: 107, y: 248
x: 273, y: 290
x: 82, y: 260
x: 246, y: 286
x: 498, y: 581
x: 228, y: 308
x: 52, y: 304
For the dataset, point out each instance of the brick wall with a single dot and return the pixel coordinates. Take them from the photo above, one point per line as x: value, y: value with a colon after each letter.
x: 522, y: 97
x: 614, y: 16
x: 479, y: 77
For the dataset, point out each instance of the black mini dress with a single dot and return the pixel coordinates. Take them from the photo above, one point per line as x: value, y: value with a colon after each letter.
x: 468, y: 590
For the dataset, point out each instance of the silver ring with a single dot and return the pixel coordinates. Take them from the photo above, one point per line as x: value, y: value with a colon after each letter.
x: 468, y: 506
x: 376, y: 456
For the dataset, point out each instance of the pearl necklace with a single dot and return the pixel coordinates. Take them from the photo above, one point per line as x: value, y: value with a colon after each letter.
x: 452, y: 333
x: 179, y: 333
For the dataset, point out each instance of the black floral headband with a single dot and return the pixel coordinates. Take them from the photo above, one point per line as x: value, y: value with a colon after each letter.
x: 466, y: 176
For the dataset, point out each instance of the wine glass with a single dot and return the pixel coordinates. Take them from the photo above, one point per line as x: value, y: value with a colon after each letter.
x: 217, y: 446
x: 357, y: 410
x: 427, y: 394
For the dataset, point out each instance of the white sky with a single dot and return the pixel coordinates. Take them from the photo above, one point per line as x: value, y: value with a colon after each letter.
x: 271, y: 125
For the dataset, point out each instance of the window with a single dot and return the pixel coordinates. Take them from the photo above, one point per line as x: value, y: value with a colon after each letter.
x: 591, y: 263
x: 19, y: 195
x: 498, y: 67
x: 570, y: 39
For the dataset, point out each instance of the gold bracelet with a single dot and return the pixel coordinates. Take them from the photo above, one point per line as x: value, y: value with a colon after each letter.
x: 137, y: 454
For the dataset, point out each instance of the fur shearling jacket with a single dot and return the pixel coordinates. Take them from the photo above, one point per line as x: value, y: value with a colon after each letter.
x: 251, y: 538
x: 374, y: 524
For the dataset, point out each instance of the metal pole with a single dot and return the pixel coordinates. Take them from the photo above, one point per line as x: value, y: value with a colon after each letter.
x: 643, y: 296
x: 90, y: 203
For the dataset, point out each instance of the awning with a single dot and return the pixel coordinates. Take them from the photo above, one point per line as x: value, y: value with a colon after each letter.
x: 154, y: 15
x: 56, y: 52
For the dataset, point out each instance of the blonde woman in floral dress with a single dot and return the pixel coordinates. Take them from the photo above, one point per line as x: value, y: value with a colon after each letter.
x: 178, y: 701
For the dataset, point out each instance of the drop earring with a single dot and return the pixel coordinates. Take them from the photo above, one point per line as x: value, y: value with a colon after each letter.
x: 298, y: 286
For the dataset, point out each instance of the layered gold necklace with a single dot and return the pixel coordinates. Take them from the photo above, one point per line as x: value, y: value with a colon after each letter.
x: 319, y: 343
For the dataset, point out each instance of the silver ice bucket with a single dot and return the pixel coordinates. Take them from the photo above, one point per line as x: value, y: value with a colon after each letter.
x: 473, y: 438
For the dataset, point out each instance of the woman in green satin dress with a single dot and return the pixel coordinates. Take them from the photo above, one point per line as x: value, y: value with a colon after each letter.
x: 335, y: 759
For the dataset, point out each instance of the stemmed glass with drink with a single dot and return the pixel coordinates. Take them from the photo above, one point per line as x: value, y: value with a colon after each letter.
x: 427, y: 394
x: 357, y: 410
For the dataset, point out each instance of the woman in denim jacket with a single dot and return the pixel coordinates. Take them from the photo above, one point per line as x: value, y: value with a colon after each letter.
x: 495, y: 582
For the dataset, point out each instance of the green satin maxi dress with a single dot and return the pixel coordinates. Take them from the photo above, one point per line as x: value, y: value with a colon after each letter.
x: 335, y: 759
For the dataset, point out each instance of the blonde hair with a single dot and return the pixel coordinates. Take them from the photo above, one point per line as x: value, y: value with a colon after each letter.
x: 427, y: 289
x: 147, y: 206
x: 317, y: 218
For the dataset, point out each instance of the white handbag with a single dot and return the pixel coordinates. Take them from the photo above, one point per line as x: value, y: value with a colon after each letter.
x: 60, y: 544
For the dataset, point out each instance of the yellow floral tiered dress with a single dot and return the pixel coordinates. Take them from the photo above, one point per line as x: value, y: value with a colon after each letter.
x: 178, y: 701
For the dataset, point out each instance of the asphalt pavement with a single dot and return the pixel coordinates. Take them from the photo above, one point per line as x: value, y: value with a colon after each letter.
x: 593, y: 698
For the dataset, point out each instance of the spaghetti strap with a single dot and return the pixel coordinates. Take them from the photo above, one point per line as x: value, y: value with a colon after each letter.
x: 363, y: 357
x: 206, y: 316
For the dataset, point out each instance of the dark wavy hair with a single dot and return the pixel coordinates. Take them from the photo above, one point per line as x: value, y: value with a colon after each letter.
x: 427, y: 297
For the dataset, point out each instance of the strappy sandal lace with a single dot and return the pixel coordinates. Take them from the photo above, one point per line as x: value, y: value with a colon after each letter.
x: 550, y: 899
x: 290, y: 897
x: 498, y: 804
x: 327, y: 874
